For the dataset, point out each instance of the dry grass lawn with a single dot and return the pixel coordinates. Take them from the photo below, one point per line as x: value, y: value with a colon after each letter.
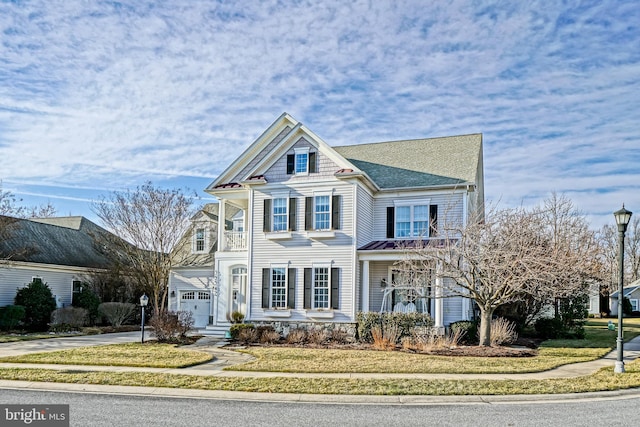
x: 150, y: 354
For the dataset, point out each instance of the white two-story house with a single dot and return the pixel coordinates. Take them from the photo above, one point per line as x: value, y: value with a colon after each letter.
x: 321, y: 227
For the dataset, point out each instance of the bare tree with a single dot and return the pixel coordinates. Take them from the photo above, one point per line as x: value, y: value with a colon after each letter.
x: 546, y: 252
x: 148, y: 222
x: 632, y: 250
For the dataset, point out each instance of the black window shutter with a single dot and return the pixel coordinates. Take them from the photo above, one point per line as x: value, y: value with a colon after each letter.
x: 335, y: 212
x: 313, y: 164
x: 292, y: 214
x: 266, y: 273
x: 335, y: 288
x: 307, y: 288
x: 433, y: 220
x: 266, y: 216
x: 308, y: 213
x: 291, y: 288
x: 290, y: 163
x: 390, y: 222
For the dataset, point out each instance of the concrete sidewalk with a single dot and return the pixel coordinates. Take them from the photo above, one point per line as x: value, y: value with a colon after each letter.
x: 224, y: 358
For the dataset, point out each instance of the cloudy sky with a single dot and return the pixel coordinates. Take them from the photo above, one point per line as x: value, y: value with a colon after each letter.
x: 98, y: 96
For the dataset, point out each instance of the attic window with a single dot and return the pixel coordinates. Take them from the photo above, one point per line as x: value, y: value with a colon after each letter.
x: 302, y: 162
x: 199, y: 240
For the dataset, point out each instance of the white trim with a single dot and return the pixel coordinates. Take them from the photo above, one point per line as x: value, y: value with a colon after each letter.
x: 278, y: 235
x: 271, y: 312
x: 320, y: 313
x: 321, y: 234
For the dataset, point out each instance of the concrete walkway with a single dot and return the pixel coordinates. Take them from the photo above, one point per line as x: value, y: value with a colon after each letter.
x: 224, y: 358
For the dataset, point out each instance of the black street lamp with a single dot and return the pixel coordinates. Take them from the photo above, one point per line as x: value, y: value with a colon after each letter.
x: 623, y: 217
x: 144, y: 300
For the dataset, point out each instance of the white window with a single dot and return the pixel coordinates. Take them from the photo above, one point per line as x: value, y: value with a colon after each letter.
x: 634, y: 304
x: 280, y: 214
x: 412, y: 220
x: 322, y: 212
x: 301, y: 161
x: 199, y: 238
x: 321, y: 287
x: 278, y: 287
x: 187, y: 296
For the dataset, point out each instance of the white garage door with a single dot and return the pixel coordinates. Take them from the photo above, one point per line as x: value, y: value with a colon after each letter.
x: 198, y: 303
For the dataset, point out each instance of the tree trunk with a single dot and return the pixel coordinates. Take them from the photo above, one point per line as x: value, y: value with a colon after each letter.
x: 485, y: 326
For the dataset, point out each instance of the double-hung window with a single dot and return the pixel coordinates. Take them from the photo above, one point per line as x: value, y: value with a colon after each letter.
x: 279, y: 213
x: 321, y: 287
x: 322, y: 212
x: 302, y: 162
x: 406, y: 220
x: 279, y: 287
x: 199, y: 240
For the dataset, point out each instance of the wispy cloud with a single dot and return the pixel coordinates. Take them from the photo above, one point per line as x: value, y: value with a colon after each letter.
x: 109, y: 94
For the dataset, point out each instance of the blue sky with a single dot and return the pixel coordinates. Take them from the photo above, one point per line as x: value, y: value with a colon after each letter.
x: 99, y: 96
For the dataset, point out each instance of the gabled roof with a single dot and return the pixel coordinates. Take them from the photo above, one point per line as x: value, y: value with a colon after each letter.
x: 432, y: 162
x: 452, y: 160
x: 67, y: 241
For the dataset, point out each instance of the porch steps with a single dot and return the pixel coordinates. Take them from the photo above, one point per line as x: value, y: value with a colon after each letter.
x: 215, y: 330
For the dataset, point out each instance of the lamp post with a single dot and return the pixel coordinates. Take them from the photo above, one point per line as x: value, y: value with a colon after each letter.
x: 144, y: 300
x: 623, y: 217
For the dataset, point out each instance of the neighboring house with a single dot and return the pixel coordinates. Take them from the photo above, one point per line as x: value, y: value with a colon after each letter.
x: 60, y: 252
x: 192, y: 284
x: 631, y: 291
x: 323, y: 226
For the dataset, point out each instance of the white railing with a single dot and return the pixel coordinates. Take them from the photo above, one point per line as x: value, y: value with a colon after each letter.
x: 235, y: 241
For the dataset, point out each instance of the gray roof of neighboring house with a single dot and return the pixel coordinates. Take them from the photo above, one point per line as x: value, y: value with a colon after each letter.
x: 429, y: 162
x: 64, y: 241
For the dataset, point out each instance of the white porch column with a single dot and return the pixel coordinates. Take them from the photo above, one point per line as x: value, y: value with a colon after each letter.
x: 439, y: 312
x: 365, y: 286
x: 221, y: 225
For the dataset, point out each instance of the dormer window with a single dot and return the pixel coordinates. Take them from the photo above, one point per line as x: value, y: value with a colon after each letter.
x: 302, y: 162
x: 199, y: 240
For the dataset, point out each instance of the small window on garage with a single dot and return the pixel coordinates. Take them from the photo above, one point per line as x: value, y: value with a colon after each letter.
x: 204, y: 295
x: 190, y: 295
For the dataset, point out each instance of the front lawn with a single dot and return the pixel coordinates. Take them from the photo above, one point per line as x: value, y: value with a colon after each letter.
x: 150, y: 354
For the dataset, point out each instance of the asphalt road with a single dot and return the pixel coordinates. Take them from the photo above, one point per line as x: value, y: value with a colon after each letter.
x: 116, y: 410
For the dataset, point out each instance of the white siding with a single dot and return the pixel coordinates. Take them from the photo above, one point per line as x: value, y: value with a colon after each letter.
x: 450, y: 208
x: 365, y: 220
x: 301, y: 251
x: 59, y: 280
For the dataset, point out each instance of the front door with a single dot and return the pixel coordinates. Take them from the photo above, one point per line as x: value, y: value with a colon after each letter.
x: 239, y: 289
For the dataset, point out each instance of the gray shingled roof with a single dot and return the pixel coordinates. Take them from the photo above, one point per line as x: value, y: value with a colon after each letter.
x: 449, y: 160
x: 57, y: 241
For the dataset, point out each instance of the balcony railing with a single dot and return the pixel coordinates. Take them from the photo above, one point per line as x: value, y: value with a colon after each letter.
x: 235, y: 241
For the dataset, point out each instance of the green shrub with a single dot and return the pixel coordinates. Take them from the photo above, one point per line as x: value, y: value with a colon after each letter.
x: 237, y: 317
x: 549, y: 328
x: 11, y: 316
x: 468, y: 331
x: 38, y: 303
x: 88, y: 300
x: 405, y: 322
x: 237, y: 327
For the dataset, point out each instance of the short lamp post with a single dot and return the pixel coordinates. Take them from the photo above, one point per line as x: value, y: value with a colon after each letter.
x: 623, y: 217
x: 144, y: 300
